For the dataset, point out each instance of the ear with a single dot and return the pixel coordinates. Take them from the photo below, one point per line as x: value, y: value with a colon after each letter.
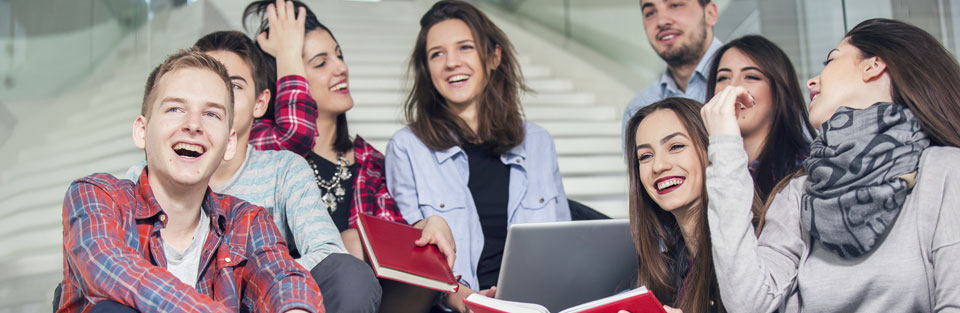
x: 711, y: 14
x: 263, y: 101
x: 231, y: 150
x: 872, y: 68
x: 495, y: 58
x: 140, y: 132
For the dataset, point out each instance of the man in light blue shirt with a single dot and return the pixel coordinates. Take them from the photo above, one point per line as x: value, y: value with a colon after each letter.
x: 681, y: 32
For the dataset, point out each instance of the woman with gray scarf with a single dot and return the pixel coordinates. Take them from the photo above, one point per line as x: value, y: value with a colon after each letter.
x: 872, y: 221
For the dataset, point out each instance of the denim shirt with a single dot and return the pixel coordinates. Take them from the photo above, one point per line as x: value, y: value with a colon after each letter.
x: 666, y: 87
x: 427, y: 182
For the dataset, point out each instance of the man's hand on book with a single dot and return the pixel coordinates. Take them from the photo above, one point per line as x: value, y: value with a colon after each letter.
x: 437, y: 232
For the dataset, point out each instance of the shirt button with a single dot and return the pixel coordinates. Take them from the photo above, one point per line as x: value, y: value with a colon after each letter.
x: 518, y: 160
x: 226, y: 260
x: 163, y: 218
x: 541, y: 200
x: 442, y: 205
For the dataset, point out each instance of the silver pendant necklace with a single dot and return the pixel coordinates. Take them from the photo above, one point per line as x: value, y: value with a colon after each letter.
x: 332, y: 190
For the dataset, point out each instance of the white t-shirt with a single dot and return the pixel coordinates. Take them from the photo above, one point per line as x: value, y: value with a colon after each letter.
x: 186, y: 265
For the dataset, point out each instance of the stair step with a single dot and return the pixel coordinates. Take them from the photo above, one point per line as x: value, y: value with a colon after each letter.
x: 60, y: 146
x: 45, y: 217
x: 33, y: 198
x: 591, y: 165
x: 399, y: 71
x: 614, y: 208
x: 364, y: 84
x: 27, y: 284
x: 393, y: 99
x: 535, y: 114
x: 88, y: 162
x: 576, y: 187
x: 385, y: 58
x: 24, y: 242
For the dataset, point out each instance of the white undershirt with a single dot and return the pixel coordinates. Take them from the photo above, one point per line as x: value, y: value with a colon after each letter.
x: 186, y: 265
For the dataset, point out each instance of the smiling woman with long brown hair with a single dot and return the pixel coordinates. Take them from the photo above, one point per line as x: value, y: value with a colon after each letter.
x: 467, y: 154
x: 666, y: 156
x: 870, y: 223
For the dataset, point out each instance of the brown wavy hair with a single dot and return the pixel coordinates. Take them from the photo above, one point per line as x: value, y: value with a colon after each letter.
x: 499, y: 115
x: 661, y: 249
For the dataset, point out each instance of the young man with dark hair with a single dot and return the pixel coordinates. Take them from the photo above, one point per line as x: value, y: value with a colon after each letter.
x: 681, y: 33
x: 165, y: 242
x: 282, y: 182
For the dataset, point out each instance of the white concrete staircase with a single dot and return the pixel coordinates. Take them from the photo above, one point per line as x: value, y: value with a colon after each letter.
x: 90, y: 131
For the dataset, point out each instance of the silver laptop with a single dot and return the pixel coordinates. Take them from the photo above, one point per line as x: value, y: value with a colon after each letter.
x: 563, y: 264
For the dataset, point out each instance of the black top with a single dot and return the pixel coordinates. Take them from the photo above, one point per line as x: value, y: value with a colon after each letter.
x: 326, y: 169
x: 489, y: 185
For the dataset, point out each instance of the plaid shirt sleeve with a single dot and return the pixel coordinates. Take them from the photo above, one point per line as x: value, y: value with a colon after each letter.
x: 371, y: 195
x: 102, y: 264
x: 278, y: 282
x: 294, y: 126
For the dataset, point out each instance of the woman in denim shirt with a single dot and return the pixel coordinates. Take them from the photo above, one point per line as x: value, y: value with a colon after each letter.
x: 466, y: 154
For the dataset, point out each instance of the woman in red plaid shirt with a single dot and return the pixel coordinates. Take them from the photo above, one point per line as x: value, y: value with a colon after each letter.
x: 309, y: 118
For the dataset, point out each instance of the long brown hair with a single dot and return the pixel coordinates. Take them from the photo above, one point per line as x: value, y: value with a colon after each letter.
x: 256, y: 12
x: 498, y: 114
x: 787, y: 142
x: 661, y: 249
x: 923, y: 74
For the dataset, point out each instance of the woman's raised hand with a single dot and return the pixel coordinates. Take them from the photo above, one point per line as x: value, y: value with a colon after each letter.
x: 285, y: 38
x: 720, y: 113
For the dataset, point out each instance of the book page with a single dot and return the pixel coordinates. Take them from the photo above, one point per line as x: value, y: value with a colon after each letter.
x: 613, y: 298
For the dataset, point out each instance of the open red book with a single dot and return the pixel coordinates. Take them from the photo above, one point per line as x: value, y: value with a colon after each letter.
x: 390, y: 247
x: 639, y: 300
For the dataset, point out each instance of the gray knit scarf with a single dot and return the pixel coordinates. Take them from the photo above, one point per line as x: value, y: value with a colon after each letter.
x: 854, y: 190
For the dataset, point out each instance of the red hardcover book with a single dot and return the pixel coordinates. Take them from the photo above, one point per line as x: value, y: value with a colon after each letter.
x: 639, y: 300
x: 393, y: 255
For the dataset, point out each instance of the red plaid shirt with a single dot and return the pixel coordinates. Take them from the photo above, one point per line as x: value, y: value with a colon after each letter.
x: 294, y: 125
x: 370, y: 194
x: 112, y: 250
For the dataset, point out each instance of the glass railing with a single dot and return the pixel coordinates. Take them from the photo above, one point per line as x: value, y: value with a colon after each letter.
x: 805, y: 29
x: 51, y: 47
x: 48, y: 46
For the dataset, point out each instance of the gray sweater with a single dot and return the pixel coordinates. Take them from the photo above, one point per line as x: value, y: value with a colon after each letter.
x: 915, y: 269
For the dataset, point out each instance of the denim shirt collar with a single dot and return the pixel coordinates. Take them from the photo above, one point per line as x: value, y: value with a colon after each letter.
x: 516, y: 154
